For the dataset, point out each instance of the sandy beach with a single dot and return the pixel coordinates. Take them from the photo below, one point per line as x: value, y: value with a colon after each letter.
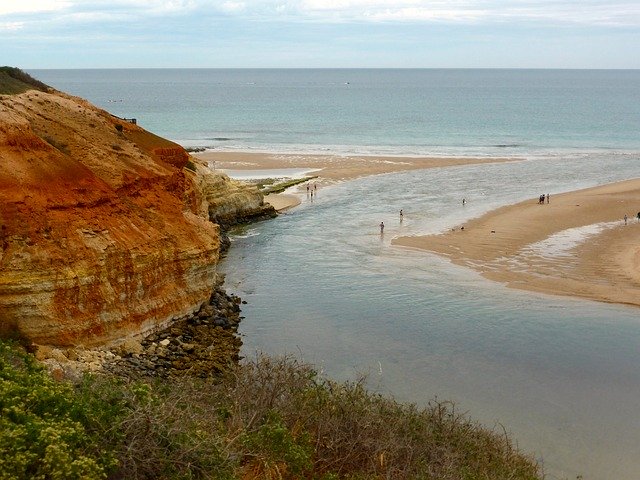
x: 282, y: 201
x: 575, y: 245
x: 334, y: 167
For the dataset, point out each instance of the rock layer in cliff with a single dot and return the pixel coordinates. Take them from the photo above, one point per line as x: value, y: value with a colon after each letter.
x: 103, y: 232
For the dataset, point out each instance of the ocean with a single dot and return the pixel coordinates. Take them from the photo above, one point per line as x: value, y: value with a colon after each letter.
x: 562, y: 375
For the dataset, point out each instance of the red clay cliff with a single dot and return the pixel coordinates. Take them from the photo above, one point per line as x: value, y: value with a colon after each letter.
x: 104, y: 227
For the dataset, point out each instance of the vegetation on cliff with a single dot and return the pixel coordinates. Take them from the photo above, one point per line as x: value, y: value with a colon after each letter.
x: 274, y: 419
x: 13, y: 80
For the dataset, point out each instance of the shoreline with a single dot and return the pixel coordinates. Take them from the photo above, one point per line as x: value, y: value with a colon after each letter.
x: 577, y: 245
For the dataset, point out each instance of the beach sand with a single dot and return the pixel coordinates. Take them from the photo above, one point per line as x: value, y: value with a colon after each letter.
x: 334, y: 167
x: 576, y: 245
x: 282, y: 201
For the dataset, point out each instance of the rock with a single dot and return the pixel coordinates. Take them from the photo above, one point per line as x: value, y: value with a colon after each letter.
x: 130, y: 347
x: 58, y: 355
x: 42, y: 352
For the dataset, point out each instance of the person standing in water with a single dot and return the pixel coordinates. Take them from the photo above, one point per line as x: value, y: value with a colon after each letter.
x: 381, y: 228
x: 401, y: 216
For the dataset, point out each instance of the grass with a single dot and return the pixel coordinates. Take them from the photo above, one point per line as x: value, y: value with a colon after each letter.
x: 265, y: 419
x: 14, y: 81
x: 190, y: 166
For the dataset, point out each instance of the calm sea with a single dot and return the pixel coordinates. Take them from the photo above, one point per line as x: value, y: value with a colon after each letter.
x: 378, y: 111
x: 562, y: 375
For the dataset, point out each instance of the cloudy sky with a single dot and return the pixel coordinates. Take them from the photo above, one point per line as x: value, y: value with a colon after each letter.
x: 320, y: 33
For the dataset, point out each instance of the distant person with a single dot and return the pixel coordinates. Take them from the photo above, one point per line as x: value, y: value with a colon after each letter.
x: 547, y: 198
x: 401, y: 216
x: 308, y: 187
x: 625, y: 218
x: 315, y: 186
x: 381, y: 228
x: 464, y: 201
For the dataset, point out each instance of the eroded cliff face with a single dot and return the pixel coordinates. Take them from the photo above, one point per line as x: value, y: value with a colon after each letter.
x: 104, y: 233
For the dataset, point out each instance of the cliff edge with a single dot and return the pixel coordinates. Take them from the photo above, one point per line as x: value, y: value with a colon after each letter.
x: 105, y: 228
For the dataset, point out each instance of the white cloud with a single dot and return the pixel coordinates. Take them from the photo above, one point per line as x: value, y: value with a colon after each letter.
x: 11, y: 7
x: 594, y: 12
x: 11, y: 26
x: 233, y: 7
x: 583, y: 12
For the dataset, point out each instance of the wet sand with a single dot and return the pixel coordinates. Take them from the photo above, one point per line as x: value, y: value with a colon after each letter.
x: 576, y: 245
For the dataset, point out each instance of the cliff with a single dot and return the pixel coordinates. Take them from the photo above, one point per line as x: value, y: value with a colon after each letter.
x: 104, y: 227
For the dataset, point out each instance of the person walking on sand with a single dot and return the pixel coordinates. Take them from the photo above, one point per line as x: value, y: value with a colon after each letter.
x: 381, y: 228
x: 625, y: 218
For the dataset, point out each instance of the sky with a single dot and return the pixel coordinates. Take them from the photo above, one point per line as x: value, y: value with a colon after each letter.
x: 320, y: 34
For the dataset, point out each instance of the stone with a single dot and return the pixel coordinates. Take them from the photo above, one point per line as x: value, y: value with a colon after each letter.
x: 42, y: 352
x: 130, y: 346
x: 58, y: 355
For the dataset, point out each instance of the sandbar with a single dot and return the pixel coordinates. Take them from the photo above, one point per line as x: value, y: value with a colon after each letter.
x: 334, y: 167
x: 577, y: 244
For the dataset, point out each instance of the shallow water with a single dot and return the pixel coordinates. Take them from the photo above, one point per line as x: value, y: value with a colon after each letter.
x: 561, y: 374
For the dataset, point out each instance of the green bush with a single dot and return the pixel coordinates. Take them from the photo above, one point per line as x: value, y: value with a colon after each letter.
x: 39, y: 437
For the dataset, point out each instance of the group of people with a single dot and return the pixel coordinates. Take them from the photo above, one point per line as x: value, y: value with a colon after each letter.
x: 542, y: 198
x: 382, y: 223
x: 626, y: 218
x: 312, y: 189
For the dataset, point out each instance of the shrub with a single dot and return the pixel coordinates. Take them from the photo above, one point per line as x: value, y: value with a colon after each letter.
x: 39, y: 438
x: 266, y: 419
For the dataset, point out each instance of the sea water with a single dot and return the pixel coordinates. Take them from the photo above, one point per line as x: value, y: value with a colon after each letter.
x: 561, y: 374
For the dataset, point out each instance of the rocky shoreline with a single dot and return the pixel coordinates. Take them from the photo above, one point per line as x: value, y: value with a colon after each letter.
x: 202, y: 344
